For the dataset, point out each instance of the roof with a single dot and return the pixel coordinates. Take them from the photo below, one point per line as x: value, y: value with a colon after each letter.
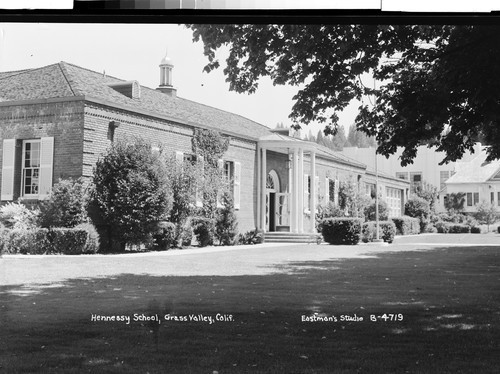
x: 64, y: 80
x: 277, y: 140
x: 476, y: 170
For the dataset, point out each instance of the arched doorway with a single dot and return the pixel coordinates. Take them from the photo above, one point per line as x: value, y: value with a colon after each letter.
x: 272, y: 188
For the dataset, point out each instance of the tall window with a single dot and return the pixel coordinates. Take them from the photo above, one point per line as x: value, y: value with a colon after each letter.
x: 498, y: 198
x: 31, y: 168
x: 415, y: 180
x: 476, y: 198
x: 469, y: 198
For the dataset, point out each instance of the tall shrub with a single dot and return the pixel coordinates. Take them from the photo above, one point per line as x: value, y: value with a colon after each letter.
x: 66, y: 205
x: 486, y: 214
x: 418, y: 208
x: 226, y: 225
x: 131, y: 192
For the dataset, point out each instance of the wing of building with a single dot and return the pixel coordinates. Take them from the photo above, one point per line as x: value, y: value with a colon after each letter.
x: 478, y: 179
x: 57, y: 120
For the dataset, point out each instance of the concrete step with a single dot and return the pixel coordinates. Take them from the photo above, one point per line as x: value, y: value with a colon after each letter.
x: 287, y: 237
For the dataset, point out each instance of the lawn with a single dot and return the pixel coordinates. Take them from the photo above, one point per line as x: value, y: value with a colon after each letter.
x: 447, y: 297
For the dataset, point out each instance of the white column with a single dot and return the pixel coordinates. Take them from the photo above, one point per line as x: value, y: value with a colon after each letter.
x: 259, y: 167
x: 301, y: 189
x: 313, y: 191
x: 296, y: 192
x: 263, y: 189
x: 289, y: 191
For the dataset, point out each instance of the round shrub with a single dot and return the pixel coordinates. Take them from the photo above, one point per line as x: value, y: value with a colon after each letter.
x: 498, y: 229
x: 383, y: 211
x: 164, y: 237
x: 387, y: 231
x: 66, y: 205
x: 341, y: 230
x: 131, y: 192
x: 406, y: 225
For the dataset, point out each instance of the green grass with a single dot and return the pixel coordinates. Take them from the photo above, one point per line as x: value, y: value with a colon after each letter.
x: 449, y: 298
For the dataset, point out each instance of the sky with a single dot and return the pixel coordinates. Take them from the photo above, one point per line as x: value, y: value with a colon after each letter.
x: 134, y: 52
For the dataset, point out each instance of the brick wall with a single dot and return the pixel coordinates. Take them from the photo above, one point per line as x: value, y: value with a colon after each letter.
x: 62, y: 120
x: 170, y: 137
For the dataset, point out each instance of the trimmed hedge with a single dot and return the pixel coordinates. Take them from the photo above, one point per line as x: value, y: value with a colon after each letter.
x: 475, y: 230
x: 341, y: 230
x: 453, y: 228
x: 406, y: 225
x: 44, y: 241
x: 387, y: 231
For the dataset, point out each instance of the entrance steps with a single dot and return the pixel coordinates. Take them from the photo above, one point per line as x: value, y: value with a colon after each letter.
x: 290, y: 237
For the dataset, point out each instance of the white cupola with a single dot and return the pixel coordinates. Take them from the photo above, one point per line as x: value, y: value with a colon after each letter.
x: 166, y: 67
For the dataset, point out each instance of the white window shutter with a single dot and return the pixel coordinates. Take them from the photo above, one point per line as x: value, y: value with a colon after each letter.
x: 179, y: 156
x: 46, y: 167
x: 336, y: 189
x: 8, y: 162
x: 220, y: 167
x: 237, y: 185
x: 220, y: 164
x: 327, y: 190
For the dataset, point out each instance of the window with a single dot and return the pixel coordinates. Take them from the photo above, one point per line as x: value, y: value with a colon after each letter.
x: 307, y: 192
x: 415, y: 180
x: 30, y: 168
x: 476, y: 198
x: 492, y: 194
x: 402, y: 175
x: 188, y: 157
x: 469, y: 199
x: 498, y: 198
x: 32, y: 175
x: 393, y: 198
x: 232, y: 174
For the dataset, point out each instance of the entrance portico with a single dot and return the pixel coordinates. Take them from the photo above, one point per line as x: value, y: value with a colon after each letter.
x: 284, y: 210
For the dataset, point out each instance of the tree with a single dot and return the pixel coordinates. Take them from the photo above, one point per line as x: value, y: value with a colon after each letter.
x: 431, y: 77
x: 418, y: 208
x: 486, y: 213
x: 359, y: 139
x: 454, y: 202
x: 131, y: 192
x: 226, y: 225
x: 212, y: 146
x: 427, y: 192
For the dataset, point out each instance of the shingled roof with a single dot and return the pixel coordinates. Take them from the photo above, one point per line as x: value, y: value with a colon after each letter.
x: 477, y: 170
x: 67, y: 80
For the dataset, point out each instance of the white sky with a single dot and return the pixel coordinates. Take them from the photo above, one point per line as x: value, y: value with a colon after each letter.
x: 134, y: 51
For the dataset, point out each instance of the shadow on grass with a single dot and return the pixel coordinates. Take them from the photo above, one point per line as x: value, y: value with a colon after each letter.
x: 448, y: 299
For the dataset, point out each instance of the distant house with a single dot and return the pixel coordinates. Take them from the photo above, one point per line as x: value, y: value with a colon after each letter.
x: 478, y: 179
x: 425, y: 166
x: 57, y: 120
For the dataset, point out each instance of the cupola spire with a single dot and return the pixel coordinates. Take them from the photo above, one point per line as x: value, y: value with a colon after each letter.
x: 166, y: 68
